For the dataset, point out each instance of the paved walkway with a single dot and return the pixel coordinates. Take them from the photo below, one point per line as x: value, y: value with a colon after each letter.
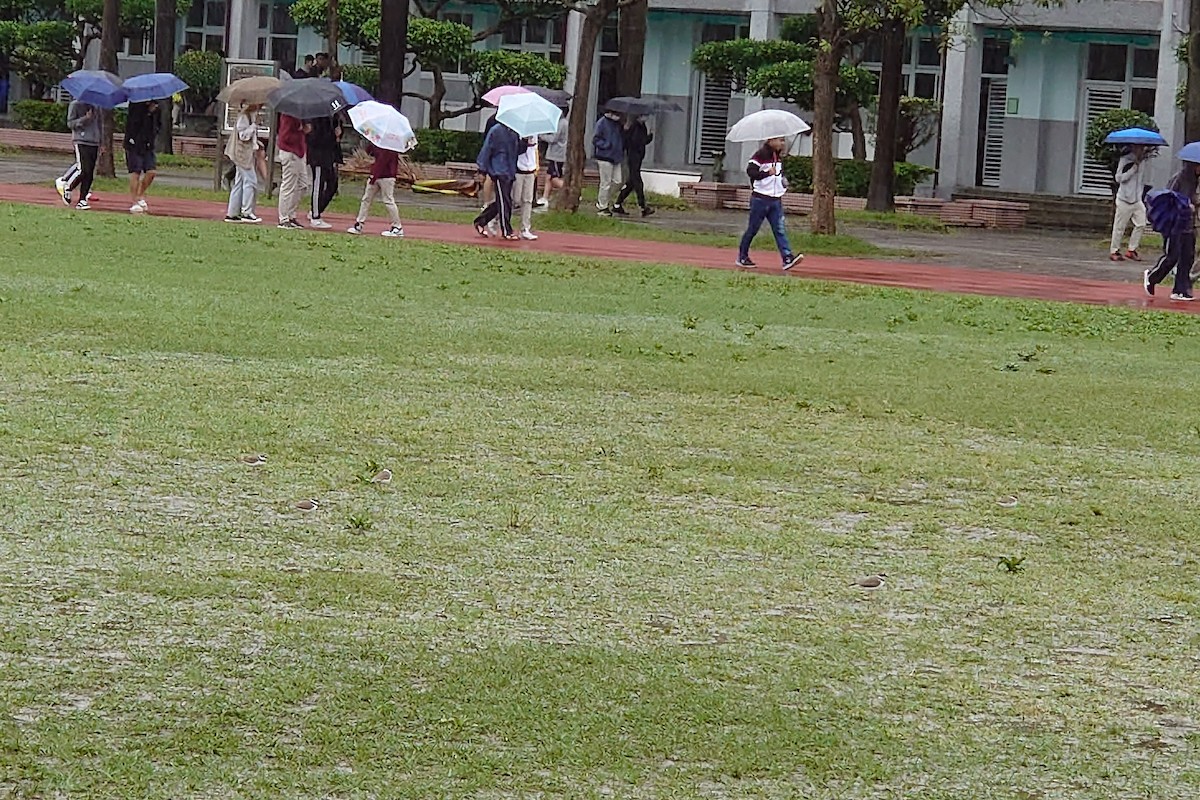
x: 967, y: 280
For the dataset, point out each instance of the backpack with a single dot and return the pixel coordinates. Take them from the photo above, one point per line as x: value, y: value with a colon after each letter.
x: 1168, y: 212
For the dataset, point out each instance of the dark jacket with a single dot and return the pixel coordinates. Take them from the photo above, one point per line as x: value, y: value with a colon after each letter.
x: 636, y: 137
x: 498, y: 156
x: 608, y: 143
x: 324, y: 150
x: 1186, y: 183
x: 142, y: 126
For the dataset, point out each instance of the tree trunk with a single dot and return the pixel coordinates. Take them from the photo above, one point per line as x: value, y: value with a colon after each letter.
x: 436, y: 113
x: 631, y: 48
x: 393, y: 41
x: 164, y: 61
x: 881, y: 195
x: 1191, y: 119
x: 825, y: 80
x: 331, y: 41
x: 858, y: 135
x: 110, y: 38
x: 577, y: 126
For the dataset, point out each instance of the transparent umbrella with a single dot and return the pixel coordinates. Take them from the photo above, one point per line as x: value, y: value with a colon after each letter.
x: 528, y: 114
x: 768, y: 124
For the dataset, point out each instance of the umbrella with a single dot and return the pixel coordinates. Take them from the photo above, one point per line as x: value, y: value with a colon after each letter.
x: 559, y: 97
x: 155, y: 86
x: 492, y: 96
x: 383, y: 126
x: 310, y: 98
x: 769, y: 124
x: 528, y: 114
x: 353, y: 92
x: 250, y: 91
x: 1190, y: 152
x: 95, y: 87
x: 641, y: 106
x: 1136, y: 136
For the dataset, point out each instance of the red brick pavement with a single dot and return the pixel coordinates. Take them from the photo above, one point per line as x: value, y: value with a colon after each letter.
x: 874, y: 272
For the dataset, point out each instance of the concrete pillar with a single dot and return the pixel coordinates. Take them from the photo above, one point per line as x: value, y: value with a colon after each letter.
x: 960, y: 107
x: 1170, y: 73
x: 242, y: 41
x: 571, y: 48
x: 764, y: 25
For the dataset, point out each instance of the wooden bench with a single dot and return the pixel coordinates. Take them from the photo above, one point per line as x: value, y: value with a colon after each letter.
x: 46, y: 141
x: 466, y: 170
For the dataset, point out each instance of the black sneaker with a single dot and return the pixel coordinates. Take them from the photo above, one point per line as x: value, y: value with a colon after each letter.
x: 1181, y: 297
x: 647, y: 211
x: 82, y: 205
x: 792, y: 260
x: 233, y: 219
x: 355, y: 229
x: 620, y: 211
x: 745, y: 262
x: 1146, y: 284
x: 603, y: 212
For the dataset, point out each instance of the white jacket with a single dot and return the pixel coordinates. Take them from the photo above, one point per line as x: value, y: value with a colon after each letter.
x: 1129, y: 178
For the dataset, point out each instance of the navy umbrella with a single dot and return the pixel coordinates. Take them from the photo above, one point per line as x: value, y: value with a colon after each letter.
x: 95, y: 87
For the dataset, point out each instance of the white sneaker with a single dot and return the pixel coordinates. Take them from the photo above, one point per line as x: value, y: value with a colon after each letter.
x: 355, y: 229
x: 318, y: 223
x: 528, y: 235
x: 251, y: 219
x: 394, y: 233
x: 142, y: 203
x: 60, y: 186
x: 136, y: 208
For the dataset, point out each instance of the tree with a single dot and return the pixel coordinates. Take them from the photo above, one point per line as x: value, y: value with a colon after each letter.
x: 109, y: 41
x: 165, y: 15
x: 1191, y: 109
x: 42, y: 52
x: 919, y: 122
x: 881, y: 194
x: 134, y: 18
x: 393, y: 44
x: 631, y: 47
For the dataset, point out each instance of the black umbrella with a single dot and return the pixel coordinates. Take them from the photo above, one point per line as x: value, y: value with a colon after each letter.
x: 641, y: 105
x: 308, y: 98
x: 559, y: 97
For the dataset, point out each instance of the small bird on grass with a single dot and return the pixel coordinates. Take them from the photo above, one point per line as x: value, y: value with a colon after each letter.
x: 308, y: 504
x: 255, y: 459
x: 383, y: 476
x: 870, y: 581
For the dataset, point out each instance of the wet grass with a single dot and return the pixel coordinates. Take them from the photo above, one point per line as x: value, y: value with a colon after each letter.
x: 616, y: 554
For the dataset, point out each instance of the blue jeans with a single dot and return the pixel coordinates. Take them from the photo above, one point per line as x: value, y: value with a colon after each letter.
x: 772, y: 211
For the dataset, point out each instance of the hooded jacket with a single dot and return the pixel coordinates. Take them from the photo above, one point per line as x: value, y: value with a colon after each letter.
x: 84, y: 131
x: 498, y: 156
x: 142, y: 126
x: 608, y: 142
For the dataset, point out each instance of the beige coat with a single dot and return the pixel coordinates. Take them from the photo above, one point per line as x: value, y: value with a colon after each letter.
x: 243, y: 144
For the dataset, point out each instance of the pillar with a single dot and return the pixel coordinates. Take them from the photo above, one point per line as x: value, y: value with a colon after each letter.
x: 959, y: 134
x: 242, y: 41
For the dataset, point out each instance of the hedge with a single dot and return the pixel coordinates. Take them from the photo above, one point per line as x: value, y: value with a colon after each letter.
x: 438, y: 146
x: 853, y: 177
x: 42, y: 115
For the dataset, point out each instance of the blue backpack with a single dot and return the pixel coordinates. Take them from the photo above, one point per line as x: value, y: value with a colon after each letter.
x: 1168, y: 212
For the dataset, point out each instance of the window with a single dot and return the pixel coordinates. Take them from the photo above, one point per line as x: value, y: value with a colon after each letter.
x: 544, y: 37
x: 995, y: 56
x: 1142, y: 99
x: 922, y: 64
x: 1145, y: 63
x: 1134, y: 70
x: 1107, y: 62
x: 205, y: 28
x: 138, y: 44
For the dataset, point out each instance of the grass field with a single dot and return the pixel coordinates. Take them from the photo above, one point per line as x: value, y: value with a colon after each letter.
x: 615, y: 559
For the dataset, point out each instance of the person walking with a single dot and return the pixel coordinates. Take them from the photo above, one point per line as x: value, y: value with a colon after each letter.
x: 556, y: 157
x: 243, y: 149
x: 525, y: 186
x: 636, y: 136
x: 295, y: 181
x: 1179, y: 247
x: 324, y: 154
x: 382, y: 182
x: 141, y: 133
x: 766, y: 202
x: 608, y: 146
x: 84, y: 121
x: 1130, y: 206
x: 498, y: 161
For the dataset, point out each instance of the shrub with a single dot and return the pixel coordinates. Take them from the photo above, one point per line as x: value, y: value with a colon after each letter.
x: 201, y: 71
x: 366, y: 77
x: 1108, y: 122
x: 853, y: 177
x: 438, y: 146
x: 41, y: 115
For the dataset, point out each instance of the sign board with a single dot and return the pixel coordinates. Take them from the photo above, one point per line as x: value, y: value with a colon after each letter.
x: 235, y: 69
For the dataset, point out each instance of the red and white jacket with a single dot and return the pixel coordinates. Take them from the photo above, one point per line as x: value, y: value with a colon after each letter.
x: 766, y: 173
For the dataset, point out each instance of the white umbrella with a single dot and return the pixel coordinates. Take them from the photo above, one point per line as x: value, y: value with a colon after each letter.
x: 528, y: 114
x: 383, y: 126
x: 768, y: 124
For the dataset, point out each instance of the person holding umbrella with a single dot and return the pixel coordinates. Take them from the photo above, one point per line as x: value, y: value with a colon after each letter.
x: 608, y: 146
x: 141, y: 132
x: 294, y: 181
x: 1179, y: 246
x: 636, y: 136
x: 1130, y: 208
x: 324, y: 154
x: 84, y: 121
x: 498, y: 160
x: 243, y: 149
x: 766, y: 202
x: 556, y: 158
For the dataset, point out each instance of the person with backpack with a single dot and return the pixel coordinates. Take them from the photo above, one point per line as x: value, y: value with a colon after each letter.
x: 1179, y: 234
x: 1130, y: 208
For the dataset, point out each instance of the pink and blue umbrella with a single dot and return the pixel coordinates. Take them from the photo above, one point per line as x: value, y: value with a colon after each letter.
x: 155, y: 86
x: 95, y: 87
x: 353, y: 93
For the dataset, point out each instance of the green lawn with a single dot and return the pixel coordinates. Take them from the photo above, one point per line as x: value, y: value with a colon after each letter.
x: 616, y: 556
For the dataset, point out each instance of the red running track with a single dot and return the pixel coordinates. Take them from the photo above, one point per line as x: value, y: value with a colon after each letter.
x: 964, y: 280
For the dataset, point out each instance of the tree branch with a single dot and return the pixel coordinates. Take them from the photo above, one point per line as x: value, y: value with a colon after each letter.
x: 475, y: 106
x: 417, y: 95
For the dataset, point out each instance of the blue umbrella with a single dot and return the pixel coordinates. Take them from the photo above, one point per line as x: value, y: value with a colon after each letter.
x: 155, y: 86
x: 353, y: 93
x: 95, y: 87
x: 1136, y: 136
x: 1190, y: 152
x: 528, y: 114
